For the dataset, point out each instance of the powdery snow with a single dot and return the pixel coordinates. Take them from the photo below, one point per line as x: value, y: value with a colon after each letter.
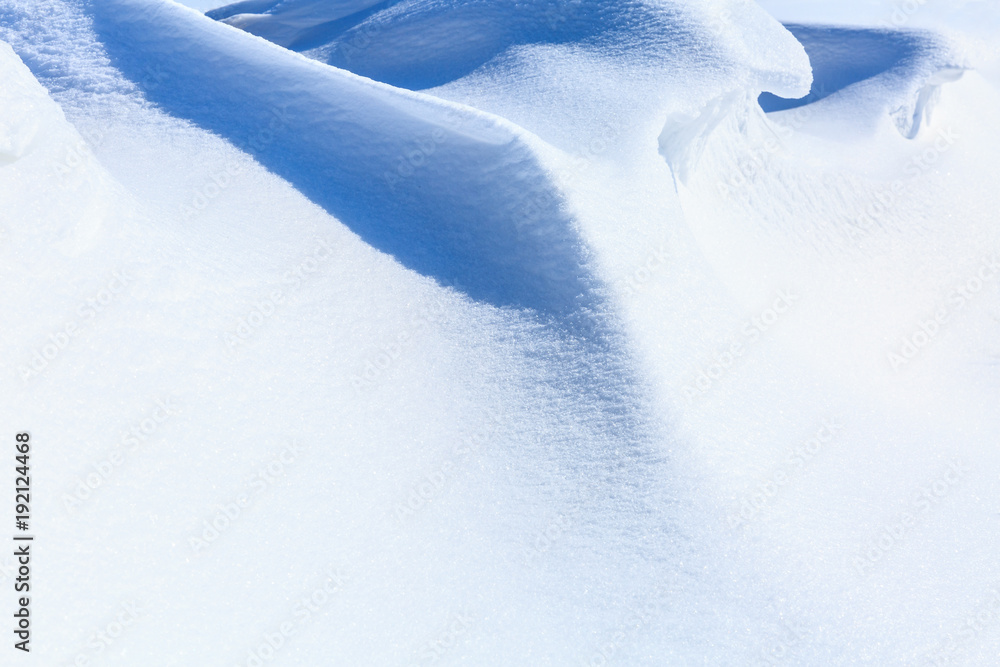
x: 504, y: 333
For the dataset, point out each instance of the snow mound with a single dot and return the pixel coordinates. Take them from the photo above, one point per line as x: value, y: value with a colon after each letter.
x: 563, y: 52
x: 877, y: 71
x: 555, y: 334
x: 291, y: 22
x: 416, y: 44
x: 414, y: 176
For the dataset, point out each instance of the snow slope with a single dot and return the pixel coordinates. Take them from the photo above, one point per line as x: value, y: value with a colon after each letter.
x: 409, y: 385
x: 531, y: 339
x: 394, y: 167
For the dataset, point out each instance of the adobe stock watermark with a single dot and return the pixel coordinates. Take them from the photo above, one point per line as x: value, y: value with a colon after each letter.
x: 415, y: 157
x: 364, y: 36
x: 556, y: 14
x: 229, y: 512
x: 985, y: 616
x: 87, y: 312
x: 221, y: 179
x: 749, y: 166
x: 79, y: 152
x: 709, y: 376
x: 103, y: 469
x: 886, y: 197
x: 309, y: 605
x: 632, y: 284
x: 636, y: 619
x: 580, y: 163
x: 435, y: 649
x: 217, y: 183
x: 786, y: 644
x: 903, y: 12
x: 720, y: 20
x: 105, y: 637
x: 928, y: 329
x: 927, y: 497
x: 267, y: 306
x: 389, y: 354
x: 432, y: 485
x: 421, y: 149
x: 544, y: 540
x: 798, y: 459
x: 153, y: 76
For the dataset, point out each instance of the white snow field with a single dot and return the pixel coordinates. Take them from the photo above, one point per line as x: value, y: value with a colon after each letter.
x: 565, y: 332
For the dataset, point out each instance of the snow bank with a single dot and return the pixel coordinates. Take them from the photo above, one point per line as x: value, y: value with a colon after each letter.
x: 588, y: 357
x: 563, y: 51
x: 407, y: 173
x: 889, y: 72
x: 260, y: 319
x: 419, y: 44
x: 292, y: 23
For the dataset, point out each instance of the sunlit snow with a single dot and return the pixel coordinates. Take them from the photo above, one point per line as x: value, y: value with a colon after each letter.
x: 488, y: 332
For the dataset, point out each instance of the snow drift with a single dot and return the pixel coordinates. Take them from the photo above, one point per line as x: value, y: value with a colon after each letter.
x: 503, y: 333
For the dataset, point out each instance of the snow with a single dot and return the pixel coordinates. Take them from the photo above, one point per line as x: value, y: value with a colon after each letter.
x: 504, y: 333
x: 204, y: 5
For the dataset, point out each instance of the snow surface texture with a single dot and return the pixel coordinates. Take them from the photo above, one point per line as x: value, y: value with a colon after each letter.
x: 204, y: 5
x: 492, y: 333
